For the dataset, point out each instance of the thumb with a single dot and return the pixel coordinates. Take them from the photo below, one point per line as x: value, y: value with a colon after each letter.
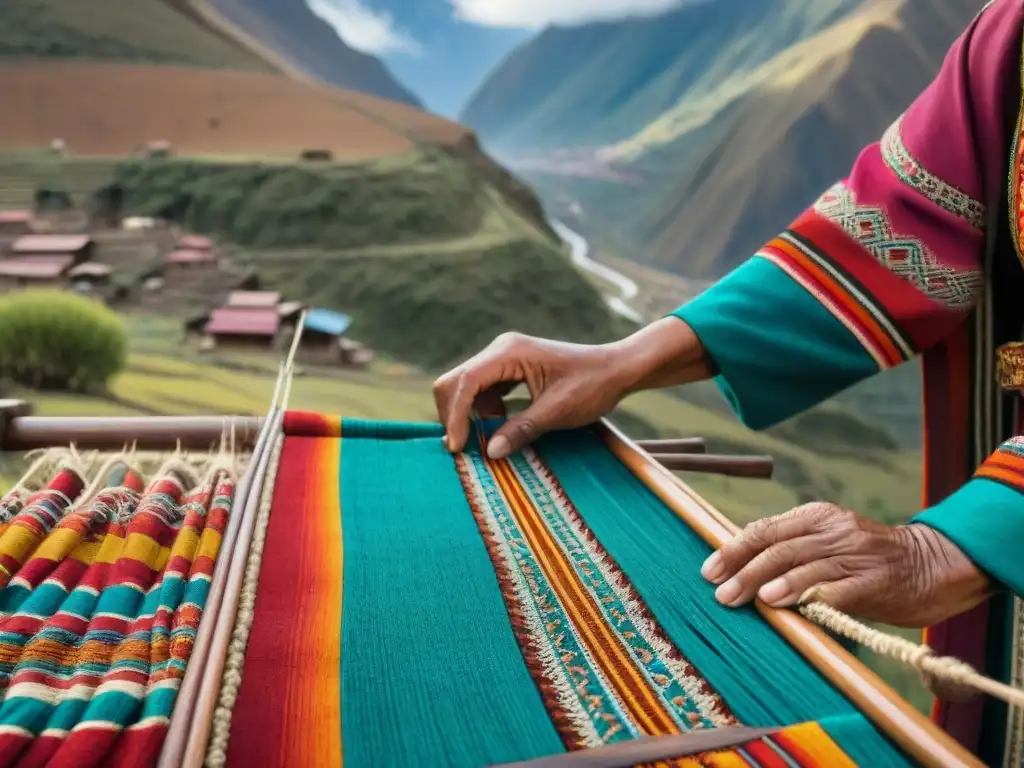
x: 522, y: 429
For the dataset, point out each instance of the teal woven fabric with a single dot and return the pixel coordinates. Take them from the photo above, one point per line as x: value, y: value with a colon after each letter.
x: 764, y: 681
x: 428, y: 652
x: 389, y: 430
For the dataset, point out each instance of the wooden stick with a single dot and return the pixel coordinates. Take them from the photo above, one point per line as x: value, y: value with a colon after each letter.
x: 648, y: 749
x: 677, y: 445
x: 24, y: 433
x: 734, y: 466
x: 912, y: 731
x: 223, y: 622
x: 194, y: 681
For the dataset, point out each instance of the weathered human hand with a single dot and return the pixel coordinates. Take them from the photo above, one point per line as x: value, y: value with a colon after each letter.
x: 571, y: 385
x: 908, y: 575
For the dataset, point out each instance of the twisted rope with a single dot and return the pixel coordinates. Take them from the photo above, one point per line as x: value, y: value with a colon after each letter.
x: 917, y: 656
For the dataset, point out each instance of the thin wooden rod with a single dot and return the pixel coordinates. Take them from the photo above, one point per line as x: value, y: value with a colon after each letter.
x: 912, y: 731
x: 223, y: 623
x: 26, y: 433
x: 677, y: 445
x: 734, y: 466
x: 179, y: 731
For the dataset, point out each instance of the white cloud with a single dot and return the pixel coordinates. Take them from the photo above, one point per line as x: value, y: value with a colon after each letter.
x: 531, y: 14
x: 363, y: 28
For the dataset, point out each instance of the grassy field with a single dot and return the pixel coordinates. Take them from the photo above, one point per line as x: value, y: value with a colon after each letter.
x: 138, y: 31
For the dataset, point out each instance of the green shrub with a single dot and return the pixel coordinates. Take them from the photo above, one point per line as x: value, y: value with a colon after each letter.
x: 56, y: 340
x: 289, y: 207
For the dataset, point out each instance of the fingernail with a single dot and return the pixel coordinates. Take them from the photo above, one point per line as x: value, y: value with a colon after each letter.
x: 775, y: 591
x: 729, y: 592
x: 444, y: 442
x: 712, y: 568
x: 498, y: 447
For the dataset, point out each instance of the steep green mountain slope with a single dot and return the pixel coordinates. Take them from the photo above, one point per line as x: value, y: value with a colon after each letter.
x: 150, y: 31
x: 598, y: 83
x: 787, y: 141
x: 278, y: 35
x: 705, y: 184
x: 293, y: 31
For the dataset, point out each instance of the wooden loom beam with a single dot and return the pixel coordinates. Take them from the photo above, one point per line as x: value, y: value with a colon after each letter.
x: 20, y: 431
x: 918, y: 736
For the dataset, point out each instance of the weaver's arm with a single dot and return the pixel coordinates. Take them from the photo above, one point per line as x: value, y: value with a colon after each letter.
x: 886, y: 263
x: 996, y: 491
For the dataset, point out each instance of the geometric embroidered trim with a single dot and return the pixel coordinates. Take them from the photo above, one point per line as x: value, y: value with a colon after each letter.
x: 603, y: 666
x: 1005, y: 465
x: 913, y: 174
x: 904, y: 256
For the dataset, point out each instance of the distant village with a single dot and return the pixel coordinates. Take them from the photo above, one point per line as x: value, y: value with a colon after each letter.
x: 146, y: 264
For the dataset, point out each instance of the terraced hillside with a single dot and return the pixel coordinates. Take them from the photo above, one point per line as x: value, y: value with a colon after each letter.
x: 107, y: 109
x: 112, y: 30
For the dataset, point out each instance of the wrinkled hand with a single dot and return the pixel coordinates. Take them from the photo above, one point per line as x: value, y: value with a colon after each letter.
x: 910, y: 576
x: 571, y: 385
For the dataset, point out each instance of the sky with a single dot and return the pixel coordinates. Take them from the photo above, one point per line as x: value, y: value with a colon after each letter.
x: 442, y: 49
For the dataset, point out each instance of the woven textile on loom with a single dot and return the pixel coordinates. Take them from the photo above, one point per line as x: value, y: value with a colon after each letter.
x: 415, y: 608
x: 100, y: 599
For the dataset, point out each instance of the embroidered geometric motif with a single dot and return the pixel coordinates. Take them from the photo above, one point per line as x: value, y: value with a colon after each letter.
x: 913, y: 174
x: 904, y: 256
x: 1014, y: 445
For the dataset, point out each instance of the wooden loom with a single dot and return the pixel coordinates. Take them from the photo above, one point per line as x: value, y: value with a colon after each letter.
x: 651, y: 462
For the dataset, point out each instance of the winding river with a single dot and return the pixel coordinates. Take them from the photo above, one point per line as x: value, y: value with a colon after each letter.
x: 580, y: 253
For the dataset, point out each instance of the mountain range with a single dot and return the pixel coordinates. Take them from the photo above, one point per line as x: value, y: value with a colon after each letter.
x: 307, y: 42
x: 738, y: 113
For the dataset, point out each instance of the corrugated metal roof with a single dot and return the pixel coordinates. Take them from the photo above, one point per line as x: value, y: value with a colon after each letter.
x: 238, y: 320
x: 195, y: 243
x: 327, y: 321
x: 50, y: 243
x: 254, y: 299
x: 41, y: 267
x: 188, y: 256
x: 15, y: 217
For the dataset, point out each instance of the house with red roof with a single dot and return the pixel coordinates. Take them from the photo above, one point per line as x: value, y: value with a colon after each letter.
x: 79, y: 247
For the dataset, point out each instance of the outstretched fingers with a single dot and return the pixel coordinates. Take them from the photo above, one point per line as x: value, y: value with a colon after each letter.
x: 768, y: 549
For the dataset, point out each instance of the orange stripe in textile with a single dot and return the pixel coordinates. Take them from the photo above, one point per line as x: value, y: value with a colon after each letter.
x: 631, y: 687
x: 1005, y: 460
x: 809, y: 745
x: 848, y: 305
x: 1001, y: 475
x: 289, y: 701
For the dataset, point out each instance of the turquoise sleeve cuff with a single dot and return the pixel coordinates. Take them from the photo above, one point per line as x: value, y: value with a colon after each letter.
x: 777, y: 349
x: 986, y: 520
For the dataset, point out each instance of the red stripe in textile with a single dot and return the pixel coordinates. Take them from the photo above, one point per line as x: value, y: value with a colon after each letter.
x: 765, y: 756
x: 293, y: 652
x: 915, y: 312
x: 309, y: 424
x: 838, y: 300
x: 40, y: 752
